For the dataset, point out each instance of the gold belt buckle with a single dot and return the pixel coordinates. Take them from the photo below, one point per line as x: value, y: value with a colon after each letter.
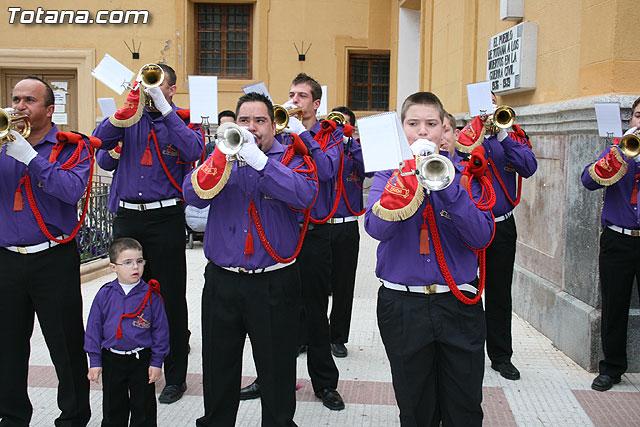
x: 431, y: 289
x: 635, y: 233
x: 22, y: 250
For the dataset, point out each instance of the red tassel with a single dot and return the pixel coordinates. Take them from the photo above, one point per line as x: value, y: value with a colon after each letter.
x: 634, y: 195
x: 424, y: 240
x: 248, y: 244
x: 146, y: 160
x: 119, y: 330
x: 18, y: 202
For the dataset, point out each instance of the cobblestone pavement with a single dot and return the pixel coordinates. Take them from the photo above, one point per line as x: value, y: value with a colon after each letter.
x: 553, y: 390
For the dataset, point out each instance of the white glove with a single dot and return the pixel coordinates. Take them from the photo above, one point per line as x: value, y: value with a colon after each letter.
x: 423, y: 147
x: 159, y: 100
x: 630, y: 131
x: 295, y: 126
x: 253, y: 156
x: 502, y: 134
x: 20, y: 149
x: 248, y: 137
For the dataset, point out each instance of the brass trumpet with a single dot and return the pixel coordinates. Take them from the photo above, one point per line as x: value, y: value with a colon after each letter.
x: 10, y: 120
x: 281, y: 115
x: 337, y: 117
x: 150, y: 75
x: 434, y: 172
x: 630, y: 144
x: 503, y: 118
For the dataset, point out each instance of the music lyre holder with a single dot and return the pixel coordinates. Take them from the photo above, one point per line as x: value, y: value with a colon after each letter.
x: 609, y: 137
x: 204, y: 124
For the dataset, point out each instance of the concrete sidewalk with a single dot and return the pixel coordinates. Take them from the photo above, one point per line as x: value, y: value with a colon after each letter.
x: 553, y: 390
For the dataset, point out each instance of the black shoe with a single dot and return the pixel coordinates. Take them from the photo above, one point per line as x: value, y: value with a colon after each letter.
x: 302, y: 348
x: 172, y: 393
x: 331, y: 399
x: 252, y: 391
x: 339, y: 350
x: 507, y: 370
x: 604, y: 382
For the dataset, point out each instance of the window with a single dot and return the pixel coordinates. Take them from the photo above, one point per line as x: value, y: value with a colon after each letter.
x: 368, y: 82
x: 223, y: 40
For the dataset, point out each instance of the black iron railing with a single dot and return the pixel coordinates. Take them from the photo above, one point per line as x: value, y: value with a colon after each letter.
x: 96, y: 233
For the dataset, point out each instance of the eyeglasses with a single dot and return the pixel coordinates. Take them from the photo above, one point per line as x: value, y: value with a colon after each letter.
x: 130, y: 263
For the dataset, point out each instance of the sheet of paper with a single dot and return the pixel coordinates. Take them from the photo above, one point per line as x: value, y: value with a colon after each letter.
x: 609, y: 121
x: 322, y: 110
x: 60, y: 108
x: 257, y: 87
x: 479, y: 98
x: 59, y: 118
x: 59, y: 97
x: 384, y: 144
x: 107, y: 106
x: 203, y: 98
x: 59, y: 85
x: 113, y: 74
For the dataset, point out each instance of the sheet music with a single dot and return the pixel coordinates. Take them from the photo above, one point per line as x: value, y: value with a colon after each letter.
x: 322, y: 109
x: 479, y: 98
x: 113, y: 74
x: 384, y: 144
x: 259, y: 88
x: 609, y: 121
x: 107, y: 106
x: 203, y: 98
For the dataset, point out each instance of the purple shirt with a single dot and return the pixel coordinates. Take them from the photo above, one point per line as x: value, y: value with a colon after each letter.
x: 108, y: 163
x: 327, y: 164
x: 56, y: 192
x: 353, y: 178
x: 509, y: 157
x: 459, y: 223
x: 148, y: 330
x: 138, y: 183
x: 271, y: 189
x: 617, y: 209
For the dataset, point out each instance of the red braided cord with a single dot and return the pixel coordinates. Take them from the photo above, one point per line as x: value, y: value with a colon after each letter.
x: 307, y: 212
x: 442, y: 263
x: 154, y: 287
x: 162, y: 163
x: 66, y: 166
x: 487, y: 198
x: 339, y: 183
x: 497, y: 175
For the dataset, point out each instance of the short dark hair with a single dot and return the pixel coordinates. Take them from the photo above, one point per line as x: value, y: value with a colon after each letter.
x: 316, y: 89
x: 421, y: 98
x: 346, y: 111
x: 226, y: 113
x: 635, y: 104
x: 48, y: 92
x: 120, y: 245
x: 169, y: 74
x: 451, y: 119
x: 256, y: 97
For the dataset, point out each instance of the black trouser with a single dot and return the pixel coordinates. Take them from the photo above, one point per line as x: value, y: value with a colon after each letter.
x: 345, y: 244
x: 435, y: 345
x: 126, y: 390
x: 161, y: 233
x: 315, y: 270
x: 619, y: 264
x: 501, y: 255
x: 267, y: 307
x: 47, y: 283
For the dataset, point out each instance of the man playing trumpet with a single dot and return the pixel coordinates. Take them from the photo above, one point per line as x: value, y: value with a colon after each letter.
x: 618, y: 171
x: 155, y: 156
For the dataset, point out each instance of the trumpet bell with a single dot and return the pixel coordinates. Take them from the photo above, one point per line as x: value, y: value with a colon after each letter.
x: 435, y: 172
x: 503, y: 118
x: 229, y: 138
x: 281, y: 116
x: 630, y: 144
x: 151, y: 75
x: 337, y: 117
x: 10, y: 120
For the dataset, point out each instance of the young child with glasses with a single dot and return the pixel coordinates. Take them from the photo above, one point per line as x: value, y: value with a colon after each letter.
x: 127, y: 349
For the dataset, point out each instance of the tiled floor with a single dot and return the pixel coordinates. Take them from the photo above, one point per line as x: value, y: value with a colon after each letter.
x: 553, y: 390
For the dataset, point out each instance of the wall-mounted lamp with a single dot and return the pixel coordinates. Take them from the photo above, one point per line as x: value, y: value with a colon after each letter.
x: 302, y: 54
x: 135, y: 53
